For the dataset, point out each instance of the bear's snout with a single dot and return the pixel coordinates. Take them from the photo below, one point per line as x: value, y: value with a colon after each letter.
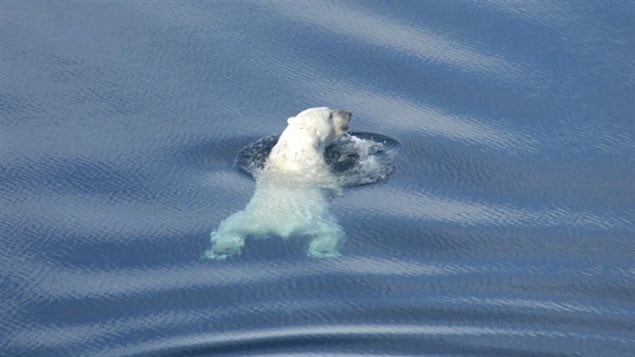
x: 341, y: 119
x: 344, y: 114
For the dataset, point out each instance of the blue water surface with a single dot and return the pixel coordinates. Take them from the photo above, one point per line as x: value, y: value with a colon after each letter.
x: 508, y: 228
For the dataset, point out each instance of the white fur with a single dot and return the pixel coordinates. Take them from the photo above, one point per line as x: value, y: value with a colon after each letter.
x: 292, y: 191
x: 300, y: 148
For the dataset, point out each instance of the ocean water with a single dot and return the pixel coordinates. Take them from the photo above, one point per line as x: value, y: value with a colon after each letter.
x: 507, y: 228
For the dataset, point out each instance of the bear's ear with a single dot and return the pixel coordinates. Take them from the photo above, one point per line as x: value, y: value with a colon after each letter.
x: 291, y: 120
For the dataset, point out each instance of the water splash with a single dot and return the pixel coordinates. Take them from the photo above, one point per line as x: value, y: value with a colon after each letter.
x: 355, y: 159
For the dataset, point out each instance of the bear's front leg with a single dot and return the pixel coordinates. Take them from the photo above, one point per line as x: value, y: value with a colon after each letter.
x: 225, y: 244
x: 229, y: 238
x: 326, y: 242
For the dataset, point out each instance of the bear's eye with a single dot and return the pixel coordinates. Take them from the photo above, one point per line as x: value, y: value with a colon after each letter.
x: 330, y: 115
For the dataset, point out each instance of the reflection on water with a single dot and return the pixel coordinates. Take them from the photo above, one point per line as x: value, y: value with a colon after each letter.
x: 506, y: 228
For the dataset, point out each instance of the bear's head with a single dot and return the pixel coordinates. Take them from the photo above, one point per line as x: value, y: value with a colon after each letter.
x: 327, y: 124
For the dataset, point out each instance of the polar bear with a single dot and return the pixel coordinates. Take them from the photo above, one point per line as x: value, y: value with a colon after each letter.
x: 301, y: 145
x: 292, y: 190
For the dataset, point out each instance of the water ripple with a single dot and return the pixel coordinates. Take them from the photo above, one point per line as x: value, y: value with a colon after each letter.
x: 427, y: 206
x: 376, y: 30
x: 505, y: 230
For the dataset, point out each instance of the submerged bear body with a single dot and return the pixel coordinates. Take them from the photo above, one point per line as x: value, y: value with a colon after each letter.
x: 292, y: 190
